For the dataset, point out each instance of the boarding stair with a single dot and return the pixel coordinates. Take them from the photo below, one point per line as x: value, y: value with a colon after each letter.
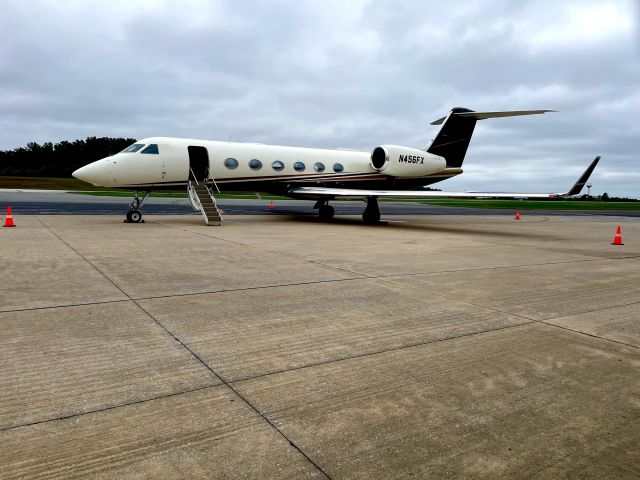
x: 200, y: 192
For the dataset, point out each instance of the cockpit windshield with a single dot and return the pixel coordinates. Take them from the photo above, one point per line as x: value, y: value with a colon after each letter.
x: 153, y: 148
x: 133, y: 148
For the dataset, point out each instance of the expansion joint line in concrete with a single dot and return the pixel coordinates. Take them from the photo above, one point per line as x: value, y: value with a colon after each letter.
x: 361, y: 276
x: 504, y: 267
x: 373, y: 276
x: 275, y: 252
x: 531, y: 320
x: 110, y: 407
x: 179, y: 295
x: 195, y: 355
x: 66, y: 305
x: 245, y: 289
x: 546, y: 322
x: 384, y: 350
x: 226, y: 383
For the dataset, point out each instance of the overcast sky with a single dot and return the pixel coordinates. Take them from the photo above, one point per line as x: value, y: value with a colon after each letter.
x: 332, y: 73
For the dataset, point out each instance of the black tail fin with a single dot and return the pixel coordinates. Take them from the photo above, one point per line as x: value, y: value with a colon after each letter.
x: 454, y: 136
x: 577, y: 188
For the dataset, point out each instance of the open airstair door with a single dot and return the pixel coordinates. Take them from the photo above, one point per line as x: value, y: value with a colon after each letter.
x: 198, y: 163
x: 199, y: 193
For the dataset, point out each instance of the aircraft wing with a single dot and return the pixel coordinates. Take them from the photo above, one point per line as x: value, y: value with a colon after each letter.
x: 326, y: 192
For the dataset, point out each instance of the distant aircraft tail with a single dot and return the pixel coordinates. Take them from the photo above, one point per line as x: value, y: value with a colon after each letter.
x: 577, y: 188
x: 454, y: 136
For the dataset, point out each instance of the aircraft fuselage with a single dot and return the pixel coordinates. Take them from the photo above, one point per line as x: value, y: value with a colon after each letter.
x: 247, y: 167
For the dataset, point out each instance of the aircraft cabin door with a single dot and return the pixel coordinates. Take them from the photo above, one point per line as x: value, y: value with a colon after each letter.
x: 198, y: 163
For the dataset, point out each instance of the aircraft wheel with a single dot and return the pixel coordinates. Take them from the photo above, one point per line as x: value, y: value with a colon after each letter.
x: 326, y: 212
x: 370, y: 217
x: 134, y: 216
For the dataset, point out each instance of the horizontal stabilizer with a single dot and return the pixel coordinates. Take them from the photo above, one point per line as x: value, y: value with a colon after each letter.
x: 485, y: 115
x: 456, y: 129
x: 515, y: 113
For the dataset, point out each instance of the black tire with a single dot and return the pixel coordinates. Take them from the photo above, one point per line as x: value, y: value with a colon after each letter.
x: 134, y: 216
x: 370, y: 217
x: 326, y: 212
x: 129, y: 216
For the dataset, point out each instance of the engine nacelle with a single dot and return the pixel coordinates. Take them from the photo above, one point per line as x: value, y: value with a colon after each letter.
x: 398, y: 161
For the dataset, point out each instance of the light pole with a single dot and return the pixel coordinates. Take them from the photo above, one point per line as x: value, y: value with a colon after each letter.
x: 588, y: 190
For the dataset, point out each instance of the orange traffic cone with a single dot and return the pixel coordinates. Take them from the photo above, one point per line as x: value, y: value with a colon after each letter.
x: 617, y: 240
x: 8, y: 221
x: 517, y: 214
x: 271, y: 204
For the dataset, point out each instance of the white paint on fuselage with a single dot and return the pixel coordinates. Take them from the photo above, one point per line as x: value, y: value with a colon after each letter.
x: 171, y: 164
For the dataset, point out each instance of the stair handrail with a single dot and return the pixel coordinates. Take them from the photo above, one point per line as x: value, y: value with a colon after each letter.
x: 193, y: 194
x: 193, y: 175
x: 210, y: 173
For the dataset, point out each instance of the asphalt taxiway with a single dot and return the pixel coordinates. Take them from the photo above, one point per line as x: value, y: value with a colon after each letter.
x: 444, y: 346
x: 51, y: 202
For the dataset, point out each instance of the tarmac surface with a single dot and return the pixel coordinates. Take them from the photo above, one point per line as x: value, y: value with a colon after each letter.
x: 444, y: 346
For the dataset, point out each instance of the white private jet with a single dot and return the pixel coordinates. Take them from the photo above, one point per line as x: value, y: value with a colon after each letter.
x: 206, y: 167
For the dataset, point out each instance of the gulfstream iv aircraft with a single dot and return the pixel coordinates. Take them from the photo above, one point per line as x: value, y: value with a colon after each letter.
x: 209, y: 167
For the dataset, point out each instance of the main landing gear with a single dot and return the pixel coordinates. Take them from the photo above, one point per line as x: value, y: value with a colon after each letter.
x: 134, y: 215
x: 325, y: 211
x: 371, y: 214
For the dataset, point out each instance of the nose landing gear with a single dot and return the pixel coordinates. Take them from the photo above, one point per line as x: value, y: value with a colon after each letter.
x: 134, y: 215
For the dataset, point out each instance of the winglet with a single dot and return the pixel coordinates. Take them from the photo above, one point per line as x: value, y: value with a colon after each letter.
x: 577, y: 187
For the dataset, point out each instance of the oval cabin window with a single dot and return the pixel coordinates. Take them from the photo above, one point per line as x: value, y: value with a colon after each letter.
x: 231, y: 163
x: 318, y: 167
x: 337, y: 167
x: 255, y: 164
x: 298, y: 166
x: 277, y: 165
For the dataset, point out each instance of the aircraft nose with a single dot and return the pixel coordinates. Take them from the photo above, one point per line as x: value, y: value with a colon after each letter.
x: 95, y: 173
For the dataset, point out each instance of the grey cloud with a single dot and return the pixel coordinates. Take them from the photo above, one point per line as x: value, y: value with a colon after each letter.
x: 351, y: 74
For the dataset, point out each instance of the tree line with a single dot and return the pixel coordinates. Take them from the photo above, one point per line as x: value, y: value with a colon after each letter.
x: 59, y: 159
